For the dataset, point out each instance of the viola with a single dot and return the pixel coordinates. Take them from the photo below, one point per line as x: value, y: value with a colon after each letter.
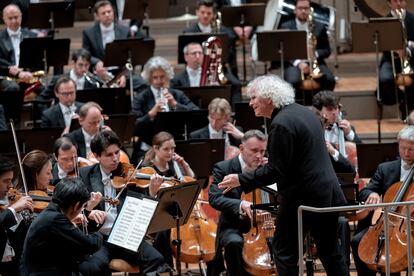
x: 40, y: 198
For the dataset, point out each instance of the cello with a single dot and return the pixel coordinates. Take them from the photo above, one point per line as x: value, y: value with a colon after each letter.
x: 371, y: 249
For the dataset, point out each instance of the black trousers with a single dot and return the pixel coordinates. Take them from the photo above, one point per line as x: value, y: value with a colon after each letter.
x: 232, y: 241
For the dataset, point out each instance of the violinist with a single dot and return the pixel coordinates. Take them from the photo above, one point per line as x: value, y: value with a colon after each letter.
x: 97, y: 178
x: 9, y: 218
x: 386, y: 174
x: 65, y: 152
x: 69, y: 250
x: 229, y: 234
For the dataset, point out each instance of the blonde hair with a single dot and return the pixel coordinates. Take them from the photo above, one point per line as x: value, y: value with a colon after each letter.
x: 157, y: 141
x: 219, y: 105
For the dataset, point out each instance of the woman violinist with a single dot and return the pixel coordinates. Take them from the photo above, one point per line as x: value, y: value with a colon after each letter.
x: 10, y: 217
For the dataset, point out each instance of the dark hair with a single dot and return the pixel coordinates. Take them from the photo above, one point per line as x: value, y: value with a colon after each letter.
x: 325, y: 99
x: 100, y: 4
x: 6, y: 165
x: 69, y: 191
x: 83, y: 111
x: 63, y: 79
x: 254, y: 133
x: 207, y: 3
x: 296, y: 1
x: 157, y: 141
x: 81, y: 53
x: 33, y: 162
x: 103, y: 140
x: 63, y: 143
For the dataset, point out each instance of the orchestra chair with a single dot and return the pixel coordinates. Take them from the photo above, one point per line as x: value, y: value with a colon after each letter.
x: 119, y: 265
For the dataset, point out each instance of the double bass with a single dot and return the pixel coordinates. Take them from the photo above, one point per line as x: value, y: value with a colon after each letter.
x: 371, y: 249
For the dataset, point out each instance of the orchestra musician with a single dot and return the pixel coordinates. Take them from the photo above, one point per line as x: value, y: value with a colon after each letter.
x: 190, y: 77
x: 388, y: 86
x: 65, y: 154
x: 206, y: 13
x: 231, y: 206
x: 133, y: 24
x: 67, y: 108
x: 154, y: 99
x: 68, y: 249
x: 299, y: 164
x: 10, y: 39
x: 38, y: 171
x: 97, y: 178
x: 293, y: 71
x: 386, y: 174
x: 91, y: 122
x: 9, y: 218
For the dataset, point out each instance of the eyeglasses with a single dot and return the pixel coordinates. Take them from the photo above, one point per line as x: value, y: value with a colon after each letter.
x: 67, y: 94
x: 303, y: 8
x: 195, y: 53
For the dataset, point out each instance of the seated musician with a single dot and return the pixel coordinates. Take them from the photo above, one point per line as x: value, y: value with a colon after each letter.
x: 156, y: 98
x: 106, y: 148
x: 69, y: 250
x: 231, y: 206
x: 190, y: 77
x: 206, y: 13
x: 386, y: 174
x: 62, y: 112
x: 297, y: 68
x: 90, y: 120
x: 10, y: 39
x: 9, y: 218
x: 64, y: 152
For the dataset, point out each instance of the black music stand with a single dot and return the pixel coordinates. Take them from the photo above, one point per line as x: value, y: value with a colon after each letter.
x: 133, y: 51
x: 42, y: 52
x: 12, y: 102
x: 51, y: 15
x: 371, y: 155
x: 245, y: 117
x: 174, y: 209
x: 180, y: 123
x: 112, y: 100
x: 243, y: 15
x: 186, y: 38
x: 123, y: 125
x: 380, y: 34
x: 202, y: 96
x: 281, y: 45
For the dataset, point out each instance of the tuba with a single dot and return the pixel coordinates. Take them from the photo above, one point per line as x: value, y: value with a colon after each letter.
x: 212, y: 67
x: 404, y: 78
x: 309, y: 82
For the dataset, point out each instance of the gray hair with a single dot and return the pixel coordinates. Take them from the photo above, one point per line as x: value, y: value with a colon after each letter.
x: 407, y: 133
x: 156, y: 63
x: 272, y: 87
x: 254, y: 133
x: 185, y: 49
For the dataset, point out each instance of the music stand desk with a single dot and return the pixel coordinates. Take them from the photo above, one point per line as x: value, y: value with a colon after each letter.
x: 371, y: 155
x: 203, y: 95
x: 51, y: 15
x: 135, y: 51
x: 112, y: 100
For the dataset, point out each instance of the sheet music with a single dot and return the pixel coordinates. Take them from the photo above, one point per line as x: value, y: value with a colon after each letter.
x: 132, y: 222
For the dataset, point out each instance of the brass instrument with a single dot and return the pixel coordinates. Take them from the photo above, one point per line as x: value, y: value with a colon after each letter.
x: 37, y: 76
x: 112, y: 82
x: 404, y: 78
x: 309, y: 82
x: 212, y: 66
x: 216, y: 23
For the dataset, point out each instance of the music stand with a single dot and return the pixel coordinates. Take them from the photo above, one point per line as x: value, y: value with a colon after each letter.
x: 51, y: 15
x: 12, y: 102
x: 245, y: 117
x: 186, y: 38
x: 133, y: 51
x: 202, y: 96
x: 42, y: 52
x: 371, y: 155
x: 281, y: 45
x: 244, y: 15
x: 174, y: 209
x: 379, y: 34
x: 123, y: 125
x: 112, y: 100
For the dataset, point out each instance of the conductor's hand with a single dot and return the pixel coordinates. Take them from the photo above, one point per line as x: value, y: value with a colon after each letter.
x: 98, y: 216
x: 304, y: 67
x: 25, y: 202
x: 229, y: 182
x: 233, y: 130
x: 245, y: 208
x: 373, y: 198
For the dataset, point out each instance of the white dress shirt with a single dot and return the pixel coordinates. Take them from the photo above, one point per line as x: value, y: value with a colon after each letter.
x: 80, y: 81
x: 204, y: 29
x: 67, y: 113
x: 194, y: 76
x: 405, y: 170
x: 109, y: 192
x: 88, y: 138
x: 16, y: 38
x: 108, y: 34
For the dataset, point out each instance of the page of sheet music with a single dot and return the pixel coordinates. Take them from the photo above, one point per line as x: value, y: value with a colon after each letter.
x: 131, y: 225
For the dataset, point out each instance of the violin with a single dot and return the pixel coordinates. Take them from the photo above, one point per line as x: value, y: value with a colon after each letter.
x: 40, y: 198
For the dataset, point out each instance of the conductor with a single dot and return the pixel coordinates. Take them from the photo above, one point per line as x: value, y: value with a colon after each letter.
x: 300, y: 165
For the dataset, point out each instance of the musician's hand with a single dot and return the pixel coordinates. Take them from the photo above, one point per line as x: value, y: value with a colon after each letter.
x: 233, y: 130
x: 80, y: 219
x: 13, y: 70
x: 245, y: 207
x: 373, y: 198
x: 346, y: 126
x: 170, y: 98
x: 304, y: 67
x: 121, y: 82
x: 331, y: 149
x: 98, y: 216
x: 94, y: 200
x: 264, y: 161
x: 25, y: 202
x: 25, y: 76
x: 229, y: 182
x: 155, y: 109
x: 155, y: 184
x: 100, y: 70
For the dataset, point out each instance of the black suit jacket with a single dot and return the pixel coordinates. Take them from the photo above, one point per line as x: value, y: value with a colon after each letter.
x: 78, y: 138
x: 298, y: 161
x: 322, y: 46
x: 7, y: 220
x: 7, y: 58
x: 53, y: 116
x: 180, y: 80
x: 92, y: 40
x: 65, y: 244
x: 204, y: 133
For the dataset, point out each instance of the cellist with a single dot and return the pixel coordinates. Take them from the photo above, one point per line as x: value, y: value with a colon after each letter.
x: 386, y: 174
x: 252, y: 150
x: 9, y: 218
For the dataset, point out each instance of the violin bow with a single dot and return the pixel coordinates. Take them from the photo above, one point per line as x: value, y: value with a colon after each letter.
x: 19, y: 158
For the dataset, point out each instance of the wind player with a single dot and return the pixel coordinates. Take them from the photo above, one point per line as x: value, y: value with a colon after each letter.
x: 231, y: 206
x: 106, y: 148
x: 9, y: 218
